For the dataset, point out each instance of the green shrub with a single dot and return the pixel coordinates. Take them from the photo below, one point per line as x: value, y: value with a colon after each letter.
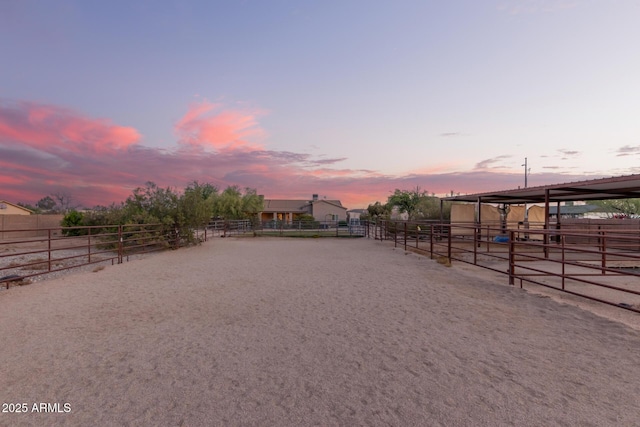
x: 73, y: 219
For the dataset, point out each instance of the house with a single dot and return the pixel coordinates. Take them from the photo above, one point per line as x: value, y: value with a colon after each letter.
x: 7, y: 208
x: 353, y: 215
x: 577, y: 211
x: 397, y: 215
x: 291, y: 210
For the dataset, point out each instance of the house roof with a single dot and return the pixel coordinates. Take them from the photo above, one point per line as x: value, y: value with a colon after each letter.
x: 574, y: 210
x: 296, y: 206
x: 621, y: 187
x: 14, y: 205
x: 271, y: 205
x: 335, y: 203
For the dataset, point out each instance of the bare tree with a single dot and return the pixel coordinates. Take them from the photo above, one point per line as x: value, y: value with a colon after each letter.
x: 64, y: 201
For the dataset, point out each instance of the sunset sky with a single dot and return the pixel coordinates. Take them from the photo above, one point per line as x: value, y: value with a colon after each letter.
x: 346, y: 99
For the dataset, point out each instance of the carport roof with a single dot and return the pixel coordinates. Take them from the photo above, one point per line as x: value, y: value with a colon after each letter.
x: 621, y: 187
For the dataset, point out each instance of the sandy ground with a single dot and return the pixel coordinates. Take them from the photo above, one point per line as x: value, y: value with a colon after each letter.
x: 302, y: 332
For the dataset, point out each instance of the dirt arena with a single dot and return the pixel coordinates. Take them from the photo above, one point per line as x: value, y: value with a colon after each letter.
x: 305, y: 332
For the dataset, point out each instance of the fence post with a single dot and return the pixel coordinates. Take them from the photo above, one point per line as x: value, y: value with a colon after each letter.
x: 395, y: 234
x: 120, y: 244
x: 512, y: 257
x: 476, y: 243
x: 488, y: 238
x: 604, y: 251
x: 562, y: 240
x: 431, y: 241
x: 405, y: 235
x: 449, y: 244
x: 48, y: 249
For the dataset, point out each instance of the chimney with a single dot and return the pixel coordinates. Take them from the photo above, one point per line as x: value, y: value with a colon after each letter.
x: 315, y: 197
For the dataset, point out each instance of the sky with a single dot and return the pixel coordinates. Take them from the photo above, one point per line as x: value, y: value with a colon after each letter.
x: 346, y: 99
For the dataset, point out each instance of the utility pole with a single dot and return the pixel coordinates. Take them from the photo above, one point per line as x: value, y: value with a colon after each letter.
x: 526, y: 172
x: 526, y: 212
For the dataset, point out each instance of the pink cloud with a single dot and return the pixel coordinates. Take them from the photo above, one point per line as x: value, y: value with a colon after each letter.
x: 50, y: 129
x: 47, y: 149
x: 207, y: 125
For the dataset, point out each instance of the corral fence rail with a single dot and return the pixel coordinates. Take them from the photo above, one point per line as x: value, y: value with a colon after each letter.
x: 230, y: 227
x: 287, y: 228
x: 598, y: 263
x: 63, y: 248
x: 312, y: 228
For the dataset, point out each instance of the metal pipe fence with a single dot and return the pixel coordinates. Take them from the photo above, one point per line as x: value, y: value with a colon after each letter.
x: 63, y: 248
x: 288, y: 228
x: 597, y: 264
x: 312, y: 229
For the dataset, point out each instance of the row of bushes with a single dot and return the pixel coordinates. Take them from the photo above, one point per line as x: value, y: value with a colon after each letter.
x: 177, y: 214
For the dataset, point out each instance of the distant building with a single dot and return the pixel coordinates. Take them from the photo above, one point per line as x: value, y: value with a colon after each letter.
x: 291, y: 210
x: 397, y: 215
x: 353, y: 215
x: 577, y: 211
x: 7, y: 208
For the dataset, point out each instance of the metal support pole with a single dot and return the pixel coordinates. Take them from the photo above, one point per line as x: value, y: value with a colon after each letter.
x: 120, y: 244
x: 512, y: 258
x: 48, y: 249
x: 545, y: 236
x: 405, y: 235
x: 449, y: 244
x: 431, y: 239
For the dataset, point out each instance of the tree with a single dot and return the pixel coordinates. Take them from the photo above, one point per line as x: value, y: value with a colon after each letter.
x: 73, y: 219
x: 196, y: 204
x: 228, y: 204
x: 205, y: 190
x: 63, y: 201
x: 46, y: 204
x: 34, y: 209
x: 252, y: 203
x: 418, y: 204
x: 180, y: 214
x: 619, y: 208
x: 233, y: 204
x: 407, y: 201
x: 429, y: 208
x: 377, y: 210
x: 151, y: 204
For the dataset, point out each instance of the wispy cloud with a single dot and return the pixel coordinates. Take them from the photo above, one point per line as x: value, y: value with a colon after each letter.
x: 490, y: 163
x: 327, y: 161
x: 568, y: 154
x: 628, y: 150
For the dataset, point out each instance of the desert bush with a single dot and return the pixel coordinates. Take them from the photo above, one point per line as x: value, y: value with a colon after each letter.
x: 73, y: 219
